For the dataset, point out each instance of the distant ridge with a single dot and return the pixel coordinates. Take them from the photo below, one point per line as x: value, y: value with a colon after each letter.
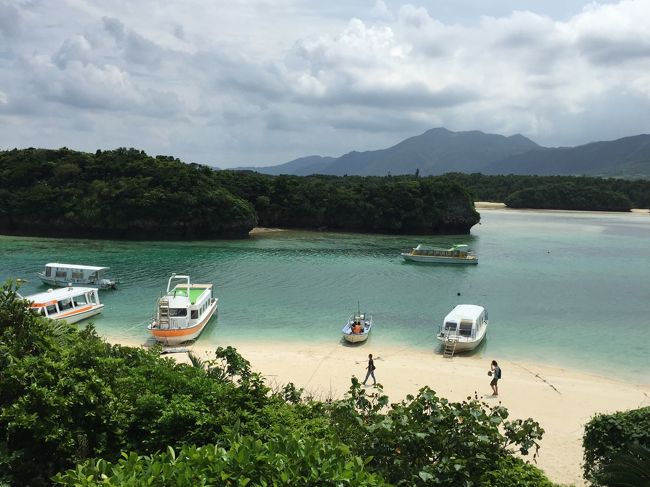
x: 626, y: 157
x: 438, y: 151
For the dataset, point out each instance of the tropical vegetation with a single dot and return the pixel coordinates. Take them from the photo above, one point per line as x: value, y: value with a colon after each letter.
x: 617, y: 448
x: 75, y: 410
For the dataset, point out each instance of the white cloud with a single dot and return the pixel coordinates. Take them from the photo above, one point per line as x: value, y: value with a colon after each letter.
x: 255, y: 81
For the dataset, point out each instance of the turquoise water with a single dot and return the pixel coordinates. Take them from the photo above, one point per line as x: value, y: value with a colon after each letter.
x: 563, y: 289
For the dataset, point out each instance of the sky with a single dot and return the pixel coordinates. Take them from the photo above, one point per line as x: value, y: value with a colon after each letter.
x: 261, y: 82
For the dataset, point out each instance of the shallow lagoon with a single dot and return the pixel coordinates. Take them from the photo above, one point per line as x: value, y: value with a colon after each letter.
x: 569, y: 289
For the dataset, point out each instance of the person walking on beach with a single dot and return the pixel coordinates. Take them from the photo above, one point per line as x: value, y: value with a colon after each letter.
x: 495, y: 372
x: 371, y: 371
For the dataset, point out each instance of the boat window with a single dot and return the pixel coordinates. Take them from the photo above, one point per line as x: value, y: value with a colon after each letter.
x: 77, y: 275
x: 451, y: 326
x: 61, y: 274
x: 80, y: 300
x: 195, y: 314
x: 465, y: 329
x: 51, y: 309
x: 65, y: 304
x: 48, y: 271
x: 176, y: 312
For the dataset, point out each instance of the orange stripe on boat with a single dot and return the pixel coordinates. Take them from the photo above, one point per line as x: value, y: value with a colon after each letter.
x: 75, y: 311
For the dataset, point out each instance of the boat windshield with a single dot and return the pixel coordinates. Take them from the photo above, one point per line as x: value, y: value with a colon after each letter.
x: 450, y: 326
x: 465, y: 328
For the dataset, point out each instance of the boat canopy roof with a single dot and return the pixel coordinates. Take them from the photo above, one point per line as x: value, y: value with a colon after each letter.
x: 76, y: 266
x: 465, y: 312
x: 453, y: 247
x: 42, y: 299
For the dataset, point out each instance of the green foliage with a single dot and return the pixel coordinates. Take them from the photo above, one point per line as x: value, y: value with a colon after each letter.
x: 403, y: 204
x: 569, y: 196
x: 514, y: 472
x: 427, y: 440
x: 631, y: 469
x: 607, y: 436
x: 120, y: 194
x: 500, y: 188
x: 284, y: 458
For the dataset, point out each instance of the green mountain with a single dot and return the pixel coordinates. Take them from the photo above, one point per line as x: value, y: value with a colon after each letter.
x: 437, y: 151
x: 440, y: 151
x: 627, y: 157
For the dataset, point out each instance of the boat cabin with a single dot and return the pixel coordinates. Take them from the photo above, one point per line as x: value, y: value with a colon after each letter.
x: 57, y: 274
x: 459, y: 250
x: 66, y: 303
x: 464, y: 321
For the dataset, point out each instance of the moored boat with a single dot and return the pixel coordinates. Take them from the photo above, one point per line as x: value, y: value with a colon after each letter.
x: 183, y: 311
x: 456, y: 254
x: 463, y: 328
x: 358, y: 327
x: 64, y: 275
x: 70, y: 304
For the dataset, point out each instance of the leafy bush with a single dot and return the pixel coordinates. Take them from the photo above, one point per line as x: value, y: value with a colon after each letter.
x: 514, y: 472
x: 284, y: 458
x: 607, y: 436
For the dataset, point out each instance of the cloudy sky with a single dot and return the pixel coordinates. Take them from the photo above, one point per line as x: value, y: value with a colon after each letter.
x: 260, y: 82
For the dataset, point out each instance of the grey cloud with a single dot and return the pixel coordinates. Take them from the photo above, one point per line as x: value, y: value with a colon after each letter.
x: 412, y: 95
x: 73, y: 49
x: 10, y: 21
x: 115, y: 27
x: 602, y: 50
x: 137, y: 49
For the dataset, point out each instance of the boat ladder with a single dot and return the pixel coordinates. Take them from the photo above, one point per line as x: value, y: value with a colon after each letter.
x: 163, y: 313
x: 450, y: 347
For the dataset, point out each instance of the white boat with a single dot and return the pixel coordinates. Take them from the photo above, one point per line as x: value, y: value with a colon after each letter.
x: 70, y: 304
x: 456, y: 254
x: 463, y: 328
x: 64, y: 275
x: 183, y: 311
x: 358, y: 327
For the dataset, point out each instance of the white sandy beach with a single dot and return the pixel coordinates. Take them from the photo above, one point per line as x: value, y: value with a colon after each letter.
x: 492, y: 205
x: 562, y: 401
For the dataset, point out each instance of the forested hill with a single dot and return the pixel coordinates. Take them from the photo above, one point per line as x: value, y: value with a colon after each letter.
x: 436, y: 151
x: 440, y: 151
x: 125, y: 193
x: 628, y: 157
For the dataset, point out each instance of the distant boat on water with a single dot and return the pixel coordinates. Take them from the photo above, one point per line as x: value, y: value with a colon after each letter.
x: 456, y: 254
x: 64, y: 275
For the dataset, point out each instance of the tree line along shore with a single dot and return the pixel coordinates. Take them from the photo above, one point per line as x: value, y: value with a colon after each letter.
x: 126, y: 194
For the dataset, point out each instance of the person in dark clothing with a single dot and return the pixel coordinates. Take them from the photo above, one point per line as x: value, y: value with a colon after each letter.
x: 495, y: 372
x: 371, y: 371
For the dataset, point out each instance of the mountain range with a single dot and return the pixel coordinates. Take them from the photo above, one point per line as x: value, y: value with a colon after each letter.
x: 439, y: 151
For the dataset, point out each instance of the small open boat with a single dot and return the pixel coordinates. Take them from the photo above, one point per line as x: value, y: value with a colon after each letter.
x: 358, y: 327
x: 183, y: 311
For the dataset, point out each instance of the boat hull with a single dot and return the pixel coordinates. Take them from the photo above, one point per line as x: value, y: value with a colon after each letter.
x: 439, y: 260
x: 78, y: 314
x: 355, y: 338
x: 66, y: 283
x: 180, y: 335
x: 465, y: 344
